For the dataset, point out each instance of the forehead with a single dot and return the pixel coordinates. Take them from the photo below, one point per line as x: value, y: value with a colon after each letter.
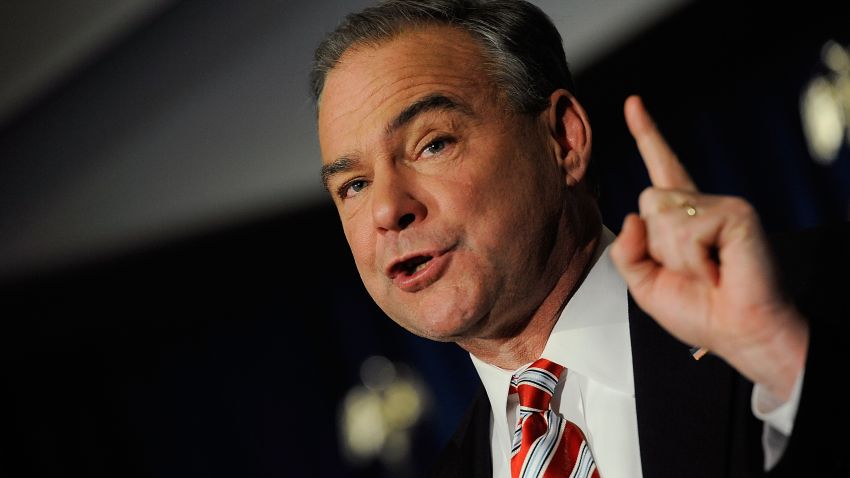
x: 372, y: 83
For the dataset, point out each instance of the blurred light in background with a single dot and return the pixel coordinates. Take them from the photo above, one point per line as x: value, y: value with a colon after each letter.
x: 825, y: 106
x: 378, y: 416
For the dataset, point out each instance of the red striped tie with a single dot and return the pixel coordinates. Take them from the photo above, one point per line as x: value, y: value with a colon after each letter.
x: 545, y: 444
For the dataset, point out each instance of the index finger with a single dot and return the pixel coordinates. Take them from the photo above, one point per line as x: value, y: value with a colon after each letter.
x: 665, y: 170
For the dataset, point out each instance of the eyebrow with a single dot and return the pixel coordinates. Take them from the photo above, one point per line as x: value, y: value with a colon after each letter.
x: 340, y: 165
x: 432, y: 102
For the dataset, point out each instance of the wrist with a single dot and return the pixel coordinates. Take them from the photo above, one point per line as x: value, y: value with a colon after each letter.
x: 777, y: 359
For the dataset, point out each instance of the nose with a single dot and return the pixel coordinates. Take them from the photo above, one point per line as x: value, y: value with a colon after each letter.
x: 395, y: 206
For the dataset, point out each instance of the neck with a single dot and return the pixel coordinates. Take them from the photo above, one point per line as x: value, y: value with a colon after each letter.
x: 526, y: 344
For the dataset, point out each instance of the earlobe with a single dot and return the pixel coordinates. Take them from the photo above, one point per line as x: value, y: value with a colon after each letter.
x: 570, y: 135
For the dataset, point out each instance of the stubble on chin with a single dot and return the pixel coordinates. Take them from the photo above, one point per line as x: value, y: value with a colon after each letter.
x: 452, y: 314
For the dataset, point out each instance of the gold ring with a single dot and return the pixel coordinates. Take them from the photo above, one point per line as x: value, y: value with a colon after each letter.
x: 689, y: 208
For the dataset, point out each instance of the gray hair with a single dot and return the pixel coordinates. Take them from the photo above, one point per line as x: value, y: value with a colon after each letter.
x: 523, y: 52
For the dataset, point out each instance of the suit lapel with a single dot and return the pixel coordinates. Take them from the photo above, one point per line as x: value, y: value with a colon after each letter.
x: 683, y: 405
x: 468, y: 453
x: 688, y: 424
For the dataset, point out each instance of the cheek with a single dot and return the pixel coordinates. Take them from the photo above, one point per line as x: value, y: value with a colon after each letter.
x: 499, y: 210
x: 513, y: 224
x: 361, y: 241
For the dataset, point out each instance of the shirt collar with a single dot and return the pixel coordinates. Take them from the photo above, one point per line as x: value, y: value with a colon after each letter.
x: 591, y: 336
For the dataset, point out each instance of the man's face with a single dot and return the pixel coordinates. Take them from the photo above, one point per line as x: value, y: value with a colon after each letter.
x: 450, y: 204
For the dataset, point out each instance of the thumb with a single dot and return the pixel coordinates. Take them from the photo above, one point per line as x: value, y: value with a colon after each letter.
x: 630, y: 255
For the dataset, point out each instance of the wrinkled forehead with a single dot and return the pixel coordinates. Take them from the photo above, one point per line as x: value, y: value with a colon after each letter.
x: 373, y: 82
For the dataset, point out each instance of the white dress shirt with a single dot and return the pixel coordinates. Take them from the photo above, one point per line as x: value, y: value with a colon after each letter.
x: 591, y: 339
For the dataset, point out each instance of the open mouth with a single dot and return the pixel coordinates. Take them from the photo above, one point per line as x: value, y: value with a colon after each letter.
x: 413, y: 265
x: 417, y: 272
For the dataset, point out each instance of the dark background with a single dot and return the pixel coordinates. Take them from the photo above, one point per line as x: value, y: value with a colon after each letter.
x: 192, y: 358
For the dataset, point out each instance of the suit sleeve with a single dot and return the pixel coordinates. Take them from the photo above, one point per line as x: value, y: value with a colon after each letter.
x: 819, y: 280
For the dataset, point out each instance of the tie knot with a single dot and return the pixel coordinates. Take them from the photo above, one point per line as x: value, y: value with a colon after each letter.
x: 536, y: 384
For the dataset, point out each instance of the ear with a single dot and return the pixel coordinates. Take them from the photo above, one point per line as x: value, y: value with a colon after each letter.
x: 570, y: 136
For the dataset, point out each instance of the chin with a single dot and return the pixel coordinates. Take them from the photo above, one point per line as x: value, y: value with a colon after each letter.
x: 447, y: 330
x: 441, y: 331
x: 444, y: 321
x: 446, y: 311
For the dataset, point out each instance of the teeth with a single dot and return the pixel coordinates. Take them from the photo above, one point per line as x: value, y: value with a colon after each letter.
x: 415, y: 265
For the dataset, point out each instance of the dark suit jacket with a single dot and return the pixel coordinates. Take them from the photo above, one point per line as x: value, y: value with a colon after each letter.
x: 694, y: 418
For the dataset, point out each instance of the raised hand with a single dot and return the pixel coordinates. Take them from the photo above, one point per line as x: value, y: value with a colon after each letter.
x: 700, y: 266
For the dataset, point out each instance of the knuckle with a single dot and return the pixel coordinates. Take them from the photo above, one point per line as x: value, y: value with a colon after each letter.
x: 743, y: 218
x: 740, y: 208
x: 648, y: 200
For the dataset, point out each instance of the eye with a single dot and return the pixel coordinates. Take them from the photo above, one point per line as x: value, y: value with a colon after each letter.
x: 351, y: 188
x: 437, y: 146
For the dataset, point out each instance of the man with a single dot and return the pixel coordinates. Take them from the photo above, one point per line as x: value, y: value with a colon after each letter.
x: 457, y: 156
